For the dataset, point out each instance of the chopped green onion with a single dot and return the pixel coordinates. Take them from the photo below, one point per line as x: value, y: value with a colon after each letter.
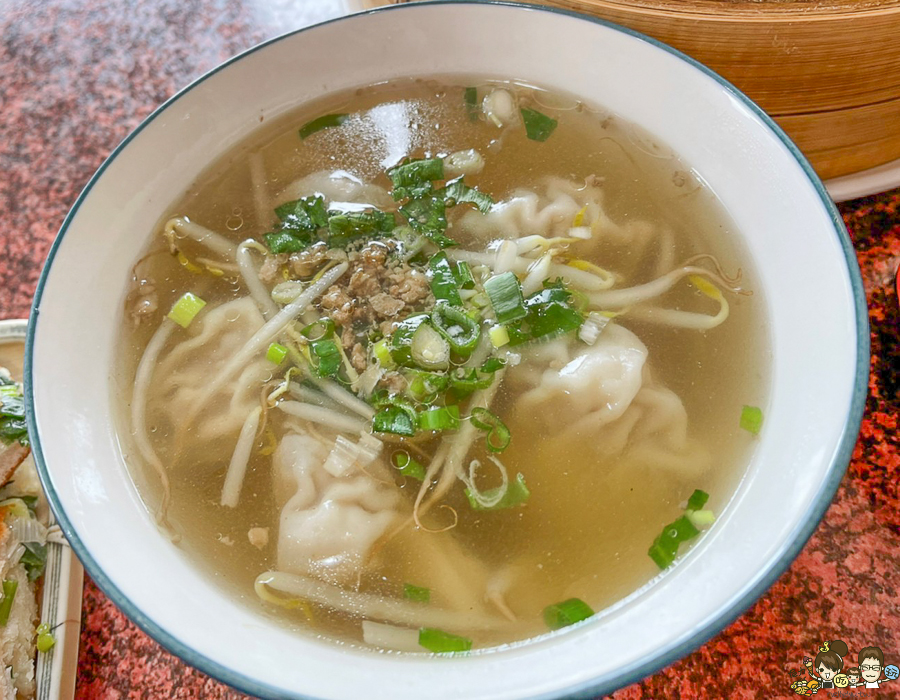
x: 424, y: 386
x: 34, y: 559
x: 328, y: 357
x: 45, y: 640
x: 322, y: 122
x: 567, y: 613
x: 14, y: 430
x: 304, y: 215
x: 12, y: 413
x: 395, y: 418
x: 665, y: 547
x: 700, y: 518
x: 413, y: 178
x: 409, y: 242
x: 457, y: 192
x: 429, y: 349
x: 498, y: 437
x: 751, y: 419
x: 185, y: 309
x: 480, y: 300
x: 276, y: 353
x: 417, y: 594
x: 682, y: 529
x: 492, y: 364
x: 439, y: 641
x: 440, y: 418
x: 318, y: 330
x: 427, y: 215
x: 402, y: 337
x: 464, y: 277
x: 345, y: 227
x: 499, y: 336
x: 442, y: 280
x: 9, y: 593
x: 464, y: 381
x: 382, y: 352
x: 548, y: 314
x: 286, y: 242
x: 538, y: 127
x: 516, y: 494
x: 461, y: 331
x: 506, y: 297
x: 407, y: 466
x: 471, y: 98
x: 662, y: 556
x: 697, y: 500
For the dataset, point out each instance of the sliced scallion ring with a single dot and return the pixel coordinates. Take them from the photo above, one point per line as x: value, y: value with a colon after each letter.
x: 396, y: 418
x: 498, y: 437
x: 567, y: 613
x: 276, y: 353
x: 184, y: 310
x: 428, y: 348
x: 407, y: 466
x: 323, y: 328
x: 440, y: 418
x: 417, y: 594
x: 439, y: 641
x: 506, y: 297
x: 461, y: 331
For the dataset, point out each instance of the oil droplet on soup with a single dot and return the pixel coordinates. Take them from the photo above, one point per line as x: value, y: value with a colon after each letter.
x: 432, y: 365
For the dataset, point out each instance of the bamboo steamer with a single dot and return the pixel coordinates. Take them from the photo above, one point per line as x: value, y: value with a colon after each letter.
x: 828, y: 71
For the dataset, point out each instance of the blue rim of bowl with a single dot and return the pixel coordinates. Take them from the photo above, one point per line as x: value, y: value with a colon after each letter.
x: 611, y: 682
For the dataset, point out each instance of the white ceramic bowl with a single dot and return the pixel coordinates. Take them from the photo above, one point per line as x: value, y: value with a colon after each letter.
x: 799, y: 248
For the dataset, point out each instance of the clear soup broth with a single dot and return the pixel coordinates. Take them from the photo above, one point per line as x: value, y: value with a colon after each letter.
x: 530, y: 337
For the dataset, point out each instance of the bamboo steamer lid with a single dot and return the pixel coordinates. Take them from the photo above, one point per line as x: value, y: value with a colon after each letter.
x: 828, y: 71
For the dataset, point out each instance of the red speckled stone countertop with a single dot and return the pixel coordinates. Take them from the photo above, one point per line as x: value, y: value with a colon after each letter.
x: 76, y: 77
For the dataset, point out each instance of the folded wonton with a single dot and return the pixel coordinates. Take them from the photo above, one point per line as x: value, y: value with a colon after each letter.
x: 328, y: 524
x: 180, y: 379
x: 551, y: 210
x: 604, y: 394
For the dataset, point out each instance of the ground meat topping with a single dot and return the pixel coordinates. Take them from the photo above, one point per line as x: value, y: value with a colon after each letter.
x: 394, y: 382
x: 358, y: 357
x: 268, y: 272
x: 377, y: 290
x: 411, y: 287
x: 307, y: 262
x: 386, y: 305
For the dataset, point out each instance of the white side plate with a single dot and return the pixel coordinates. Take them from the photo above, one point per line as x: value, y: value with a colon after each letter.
x: 872, y: 181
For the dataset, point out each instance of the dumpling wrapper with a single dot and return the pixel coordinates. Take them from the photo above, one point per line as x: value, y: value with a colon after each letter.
x: 550, y: 211
x: 182, y: 376
x: 338, y: 188
x: 592, y: 388
x: 605, y: 396
x: 328, y: 525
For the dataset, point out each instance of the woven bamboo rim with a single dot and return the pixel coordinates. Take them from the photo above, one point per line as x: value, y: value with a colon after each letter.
x: 828, y: 71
